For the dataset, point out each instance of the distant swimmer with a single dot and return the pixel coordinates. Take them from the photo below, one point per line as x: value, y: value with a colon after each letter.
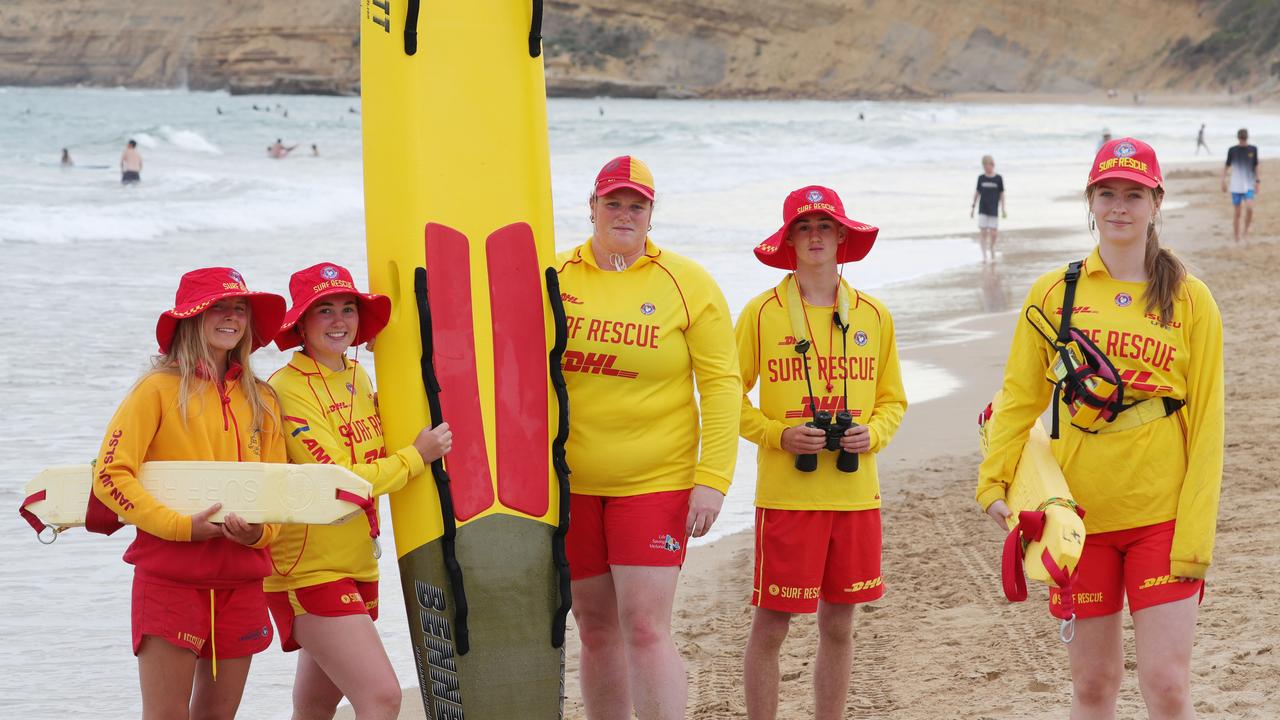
x: 1200, y: 142
x: 987, y: 198
x: 279, y: 150
x: 131, y: 164
x: 315, y: 151
x: 66, y: 158
x: 219, y: 109
x: 353, y: 110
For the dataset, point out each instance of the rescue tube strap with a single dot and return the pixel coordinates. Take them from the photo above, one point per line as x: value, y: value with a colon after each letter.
x: 795, y: 309
x: 370, y: 507
x: 1070, y: 279
x: 432, y: 386
x: 800, y: 331
x: 29, y: 516
x: 1013, y: 577
x: 559, y: 558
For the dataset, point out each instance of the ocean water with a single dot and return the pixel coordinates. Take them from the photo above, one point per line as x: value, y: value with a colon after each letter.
x: 88, y: 265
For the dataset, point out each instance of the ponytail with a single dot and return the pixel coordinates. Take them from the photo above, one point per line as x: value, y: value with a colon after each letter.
x: 1165, y: 272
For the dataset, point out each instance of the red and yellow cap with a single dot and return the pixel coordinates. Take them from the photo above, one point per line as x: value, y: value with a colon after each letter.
x: 1127, y: 159
x: 309, y: 285
x: 812, y: 200
x: 624, y: 172
x: 199, y: 289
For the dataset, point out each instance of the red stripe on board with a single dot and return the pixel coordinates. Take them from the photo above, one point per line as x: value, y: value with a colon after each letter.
x: 519, y: 369
x: 449, y: 292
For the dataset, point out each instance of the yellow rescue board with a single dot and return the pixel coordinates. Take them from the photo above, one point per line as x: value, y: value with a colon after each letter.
x: 1038, y: 484
x: 458, y: 219
x: 257, y: 492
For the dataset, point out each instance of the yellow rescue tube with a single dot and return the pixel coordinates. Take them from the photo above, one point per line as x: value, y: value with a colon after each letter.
x: 459, y: 231
x: 1039, y: 486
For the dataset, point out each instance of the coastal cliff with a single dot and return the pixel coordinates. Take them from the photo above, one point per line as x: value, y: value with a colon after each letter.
x: 680, y: 48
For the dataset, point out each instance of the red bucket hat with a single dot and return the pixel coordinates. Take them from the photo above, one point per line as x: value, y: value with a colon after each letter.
x: 625, y: 171
x: 200, y: 289
x: 1127, y: 159
x: 311, y: 284
x: 775, y: 252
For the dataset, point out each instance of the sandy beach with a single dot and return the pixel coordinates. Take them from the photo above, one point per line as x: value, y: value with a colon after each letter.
x: 943, y: 642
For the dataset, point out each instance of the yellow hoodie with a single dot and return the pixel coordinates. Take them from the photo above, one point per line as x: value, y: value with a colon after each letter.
x: 1162, y: 470
x: 148, y: 426
x: 637, y: 339
x: 322, y: 426
x: 766, y: 350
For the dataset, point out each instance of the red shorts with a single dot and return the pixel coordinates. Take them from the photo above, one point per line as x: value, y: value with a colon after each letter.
x: 643, y: 530
x: 804, y: 555
x: 182, y: 616
x: 1133, y: 562
x: 332, y: 599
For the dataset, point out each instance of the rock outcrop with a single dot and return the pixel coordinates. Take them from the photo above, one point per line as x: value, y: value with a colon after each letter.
x: 680, y: 48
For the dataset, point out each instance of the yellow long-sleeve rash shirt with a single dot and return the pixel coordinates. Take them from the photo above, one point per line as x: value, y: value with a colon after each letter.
x: 637, y: 340
x: 149, y: 426
x: 330, y: 416
x: 1162, y: 470
x: 766, y: 351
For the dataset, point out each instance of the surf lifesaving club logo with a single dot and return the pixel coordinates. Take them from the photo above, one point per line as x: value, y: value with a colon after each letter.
x: 813, y: 196
x: 860, y: 338
x: 329, y: 272
x: 1124, y: 299
x: 647, y: 309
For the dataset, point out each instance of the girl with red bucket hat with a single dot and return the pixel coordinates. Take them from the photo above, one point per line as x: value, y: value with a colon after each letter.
x: 651, y: 463
x: 323, y: 592
x: 827, y: 362
x: 1145, y: 463
x: 199, y: 613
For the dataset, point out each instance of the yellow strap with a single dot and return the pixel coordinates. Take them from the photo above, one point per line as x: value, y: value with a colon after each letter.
x: 213, y: 637
x: 1148, y: 410
x: 795, y: 307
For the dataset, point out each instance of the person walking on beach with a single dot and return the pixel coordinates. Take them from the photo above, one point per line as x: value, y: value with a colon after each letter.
x: 1241, y: 171
x: 323, y: 591
x: 1148, y: 469
x: 1200, y: 143
x: 66, y: 158
x: 651, y: 461
x: 130, y: 164
x: 199, y: 613
x: 987, y: 197
x: 827, y: 362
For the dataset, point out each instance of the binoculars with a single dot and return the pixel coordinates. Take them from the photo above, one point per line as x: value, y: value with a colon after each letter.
x: 845, y: 461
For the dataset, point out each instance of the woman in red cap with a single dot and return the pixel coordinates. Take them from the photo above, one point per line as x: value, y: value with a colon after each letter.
x: 651, y: 463
x: 199, y: 612
x: 324, y: 590
x: 1145, y: 462
x: 827, y: 362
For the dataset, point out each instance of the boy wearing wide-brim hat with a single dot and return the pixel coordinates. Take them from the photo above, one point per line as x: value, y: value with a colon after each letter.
x: 821, y: 350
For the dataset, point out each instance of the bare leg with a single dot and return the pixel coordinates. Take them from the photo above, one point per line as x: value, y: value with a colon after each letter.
x: 219, y: 700
x: 1097, y: 667
x: 760, y: 671
x: 1235, y: 224
x: 350, y: 656
x: 660, y: 689
x: 1163, y: 636
x: 165, y: 673
x: 606, y: 691
x: 1248, y: 219
x: 835, y: 658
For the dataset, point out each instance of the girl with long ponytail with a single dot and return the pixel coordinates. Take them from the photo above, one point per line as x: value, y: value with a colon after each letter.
x: 1147, y: 471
